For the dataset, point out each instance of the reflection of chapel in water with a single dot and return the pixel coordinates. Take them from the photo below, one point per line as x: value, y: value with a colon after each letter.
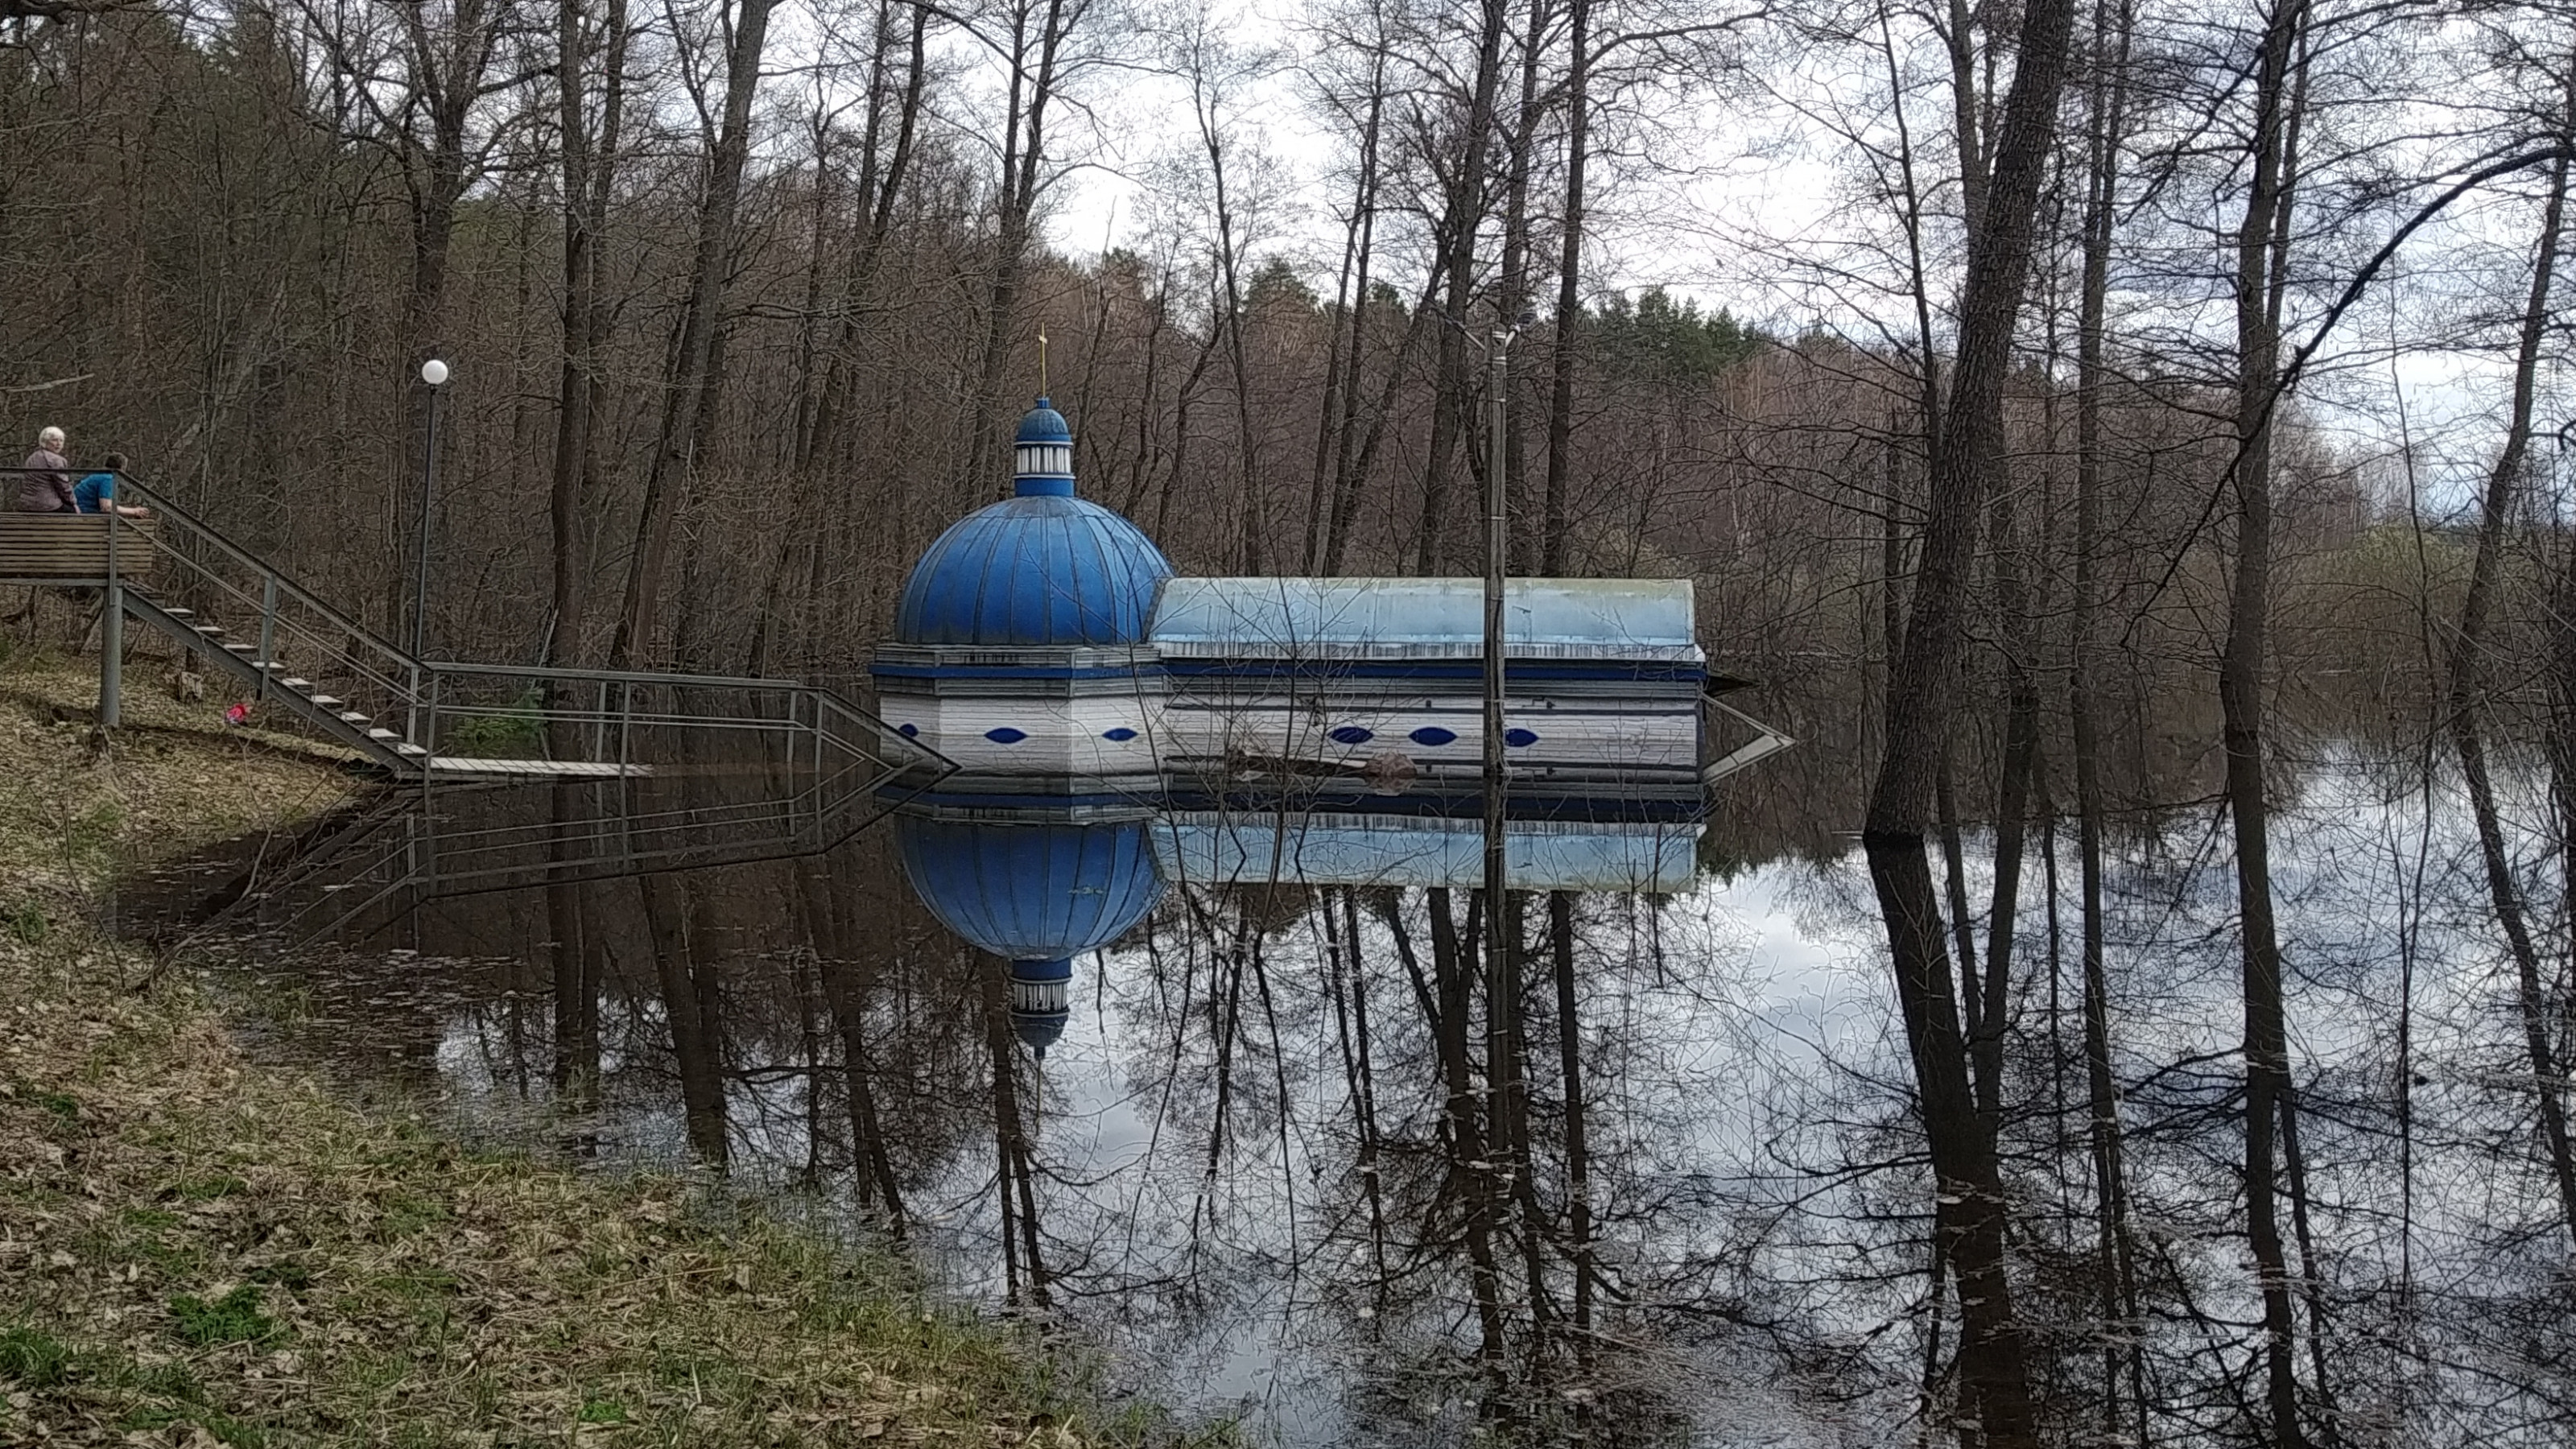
x: 1116, y: 729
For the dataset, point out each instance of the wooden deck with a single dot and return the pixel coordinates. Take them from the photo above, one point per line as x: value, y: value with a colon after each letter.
x: 59, y: 549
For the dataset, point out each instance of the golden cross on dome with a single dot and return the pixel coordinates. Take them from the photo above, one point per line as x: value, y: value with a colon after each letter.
x: 1042, y: 344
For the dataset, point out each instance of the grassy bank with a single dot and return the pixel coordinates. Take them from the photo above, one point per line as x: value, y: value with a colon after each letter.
x: 200, y: 1249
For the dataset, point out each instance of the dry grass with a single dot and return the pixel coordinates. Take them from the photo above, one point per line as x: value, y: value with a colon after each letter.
x: 78, y: 813
x: 197, y: 1249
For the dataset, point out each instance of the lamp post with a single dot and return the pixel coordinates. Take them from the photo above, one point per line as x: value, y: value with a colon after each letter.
x: 434, y: 373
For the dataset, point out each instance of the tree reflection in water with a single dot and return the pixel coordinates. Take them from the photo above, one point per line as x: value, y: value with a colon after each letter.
x: 1275, y: 1160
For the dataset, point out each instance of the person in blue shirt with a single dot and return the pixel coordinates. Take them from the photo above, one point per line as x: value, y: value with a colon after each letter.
x: 97, y: 492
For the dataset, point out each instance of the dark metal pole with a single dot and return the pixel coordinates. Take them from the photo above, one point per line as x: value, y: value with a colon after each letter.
x: 1501, y: 984
x: 111, y: 631
x: 428, y: 479
x: 1494, y: 670
x: 1500, y: 987
x: 433, y: 373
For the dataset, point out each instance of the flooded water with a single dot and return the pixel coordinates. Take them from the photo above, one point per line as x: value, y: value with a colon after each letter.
x: 1266, y: 1145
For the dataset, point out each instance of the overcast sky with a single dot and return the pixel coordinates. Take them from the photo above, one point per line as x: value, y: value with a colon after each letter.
x: 1737, y: 193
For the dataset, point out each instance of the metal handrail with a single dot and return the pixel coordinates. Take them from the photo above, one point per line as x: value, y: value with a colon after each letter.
x: 408, y: 683
x: 168, y: 509
x: 273, y: 618
x: 372, y: 661
x: 617, y: 676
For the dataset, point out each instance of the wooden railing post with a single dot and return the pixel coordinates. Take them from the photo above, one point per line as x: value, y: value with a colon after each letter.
x: 111, y: 635
x: 267, y: 632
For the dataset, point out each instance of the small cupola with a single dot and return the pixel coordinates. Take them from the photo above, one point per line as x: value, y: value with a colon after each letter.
x: 1042, y: 454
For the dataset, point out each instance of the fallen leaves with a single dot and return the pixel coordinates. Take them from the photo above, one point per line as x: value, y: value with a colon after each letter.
x: 222, y: 1249
x: 198, y: 1250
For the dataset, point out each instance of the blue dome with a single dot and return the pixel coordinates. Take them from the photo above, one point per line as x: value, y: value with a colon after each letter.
x: 1039, y: 569
x: 1031, y: 892
x: 1034, y: 571
x: 1043, y: 424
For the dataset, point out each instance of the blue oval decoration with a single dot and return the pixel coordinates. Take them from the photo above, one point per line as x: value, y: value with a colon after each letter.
x: 1433, y: 735
x: 1519, y: 737
x: 908, y: 731
x: 1122, y: 733
x: 1005, y: 736
x: 1351, y: 735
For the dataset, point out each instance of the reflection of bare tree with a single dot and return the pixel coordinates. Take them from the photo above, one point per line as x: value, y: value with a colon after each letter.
x: 576, y: 982
x: 1687, y: 1186
x: 1578, y: 1154
x: 847, y: 986
x: 692, y: 1006
x: 1023, y: 1263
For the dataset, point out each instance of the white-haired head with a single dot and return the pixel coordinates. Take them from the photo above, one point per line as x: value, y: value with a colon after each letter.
x: 51, y: 439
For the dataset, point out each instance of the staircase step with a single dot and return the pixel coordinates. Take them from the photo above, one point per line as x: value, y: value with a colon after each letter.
x: 209, y: 630
x: 351, y: 716
x: 408, y: 748
x: 379, y: 732
x: 293, y: 683
x: 175, y: 613
x: 324, y: 700
x: 238, y: 646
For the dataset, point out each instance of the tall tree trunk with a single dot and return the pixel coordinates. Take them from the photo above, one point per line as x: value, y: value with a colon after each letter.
x: 586, y: 183
x: 1555, y: 522
x: 689, y: 382
x: 1340, y: 412
x: 2259, y: 252
x: 878, y: 194
x: 572, y: 413
x: 1512, y: 297
x: 1972, y: 1228
x: 1351, y: 480
x: 1249, y: 546
x: 1463, y: 210
x: 2467, y: 702
x: 1032, y: 91
x: 447, y: 70
x: 2123, y: 1346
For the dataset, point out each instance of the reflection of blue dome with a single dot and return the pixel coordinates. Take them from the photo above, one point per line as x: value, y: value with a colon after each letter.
x: 1038, y: 569
x: 1031, y: 892
x: 1039, y: 894
x: 1041, y: 1002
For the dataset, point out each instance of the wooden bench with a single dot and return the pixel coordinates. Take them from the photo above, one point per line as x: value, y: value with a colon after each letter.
x: 69, y: 548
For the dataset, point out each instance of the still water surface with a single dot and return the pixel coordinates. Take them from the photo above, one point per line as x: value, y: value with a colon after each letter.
x: 1235, y: 1168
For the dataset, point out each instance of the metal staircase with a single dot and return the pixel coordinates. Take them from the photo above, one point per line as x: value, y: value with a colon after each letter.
x: 252, y: 664
x: 246, y: 616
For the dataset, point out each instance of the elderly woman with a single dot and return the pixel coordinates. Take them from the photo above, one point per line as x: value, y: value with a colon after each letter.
x: 46, y: 486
